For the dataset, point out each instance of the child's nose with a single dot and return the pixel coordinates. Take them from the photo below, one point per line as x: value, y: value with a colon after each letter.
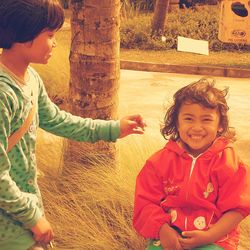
x: 197, y: 126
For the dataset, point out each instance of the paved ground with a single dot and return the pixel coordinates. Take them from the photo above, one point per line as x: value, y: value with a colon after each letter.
x: 146, y: 92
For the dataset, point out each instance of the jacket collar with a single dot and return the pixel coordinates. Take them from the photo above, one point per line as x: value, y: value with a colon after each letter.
x: 6, y: 78
x: 218, y: 145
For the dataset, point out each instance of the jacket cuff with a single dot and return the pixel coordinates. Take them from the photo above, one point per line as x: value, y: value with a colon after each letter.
x: 114, y: 130
x: 32, y: 222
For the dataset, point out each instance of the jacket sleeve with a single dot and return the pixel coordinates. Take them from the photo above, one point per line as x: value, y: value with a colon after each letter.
x: 21, y: 206
x: 148, y: 214
x: 62, y: 123
x: 234, y: 184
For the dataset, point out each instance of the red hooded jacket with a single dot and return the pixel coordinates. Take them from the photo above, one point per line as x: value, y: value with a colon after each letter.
x: 191, y: 193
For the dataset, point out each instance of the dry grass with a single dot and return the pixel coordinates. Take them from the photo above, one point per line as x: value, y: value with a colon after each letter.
x: 91, y: 208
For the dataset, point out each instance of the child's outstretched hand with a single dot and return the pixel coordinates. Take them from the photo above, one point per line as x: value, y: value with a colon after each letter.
x: 131, y: 124
x: 42, y: 231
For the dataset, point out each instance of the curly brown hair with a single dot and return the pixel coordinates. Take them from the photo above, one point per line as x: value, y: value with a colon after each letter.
x: 202, y: 92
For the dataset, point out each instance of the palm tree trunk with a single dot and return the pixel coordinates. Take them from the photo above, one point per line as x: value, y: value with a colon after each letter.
x: 159, y: 17
x: 94, y: 67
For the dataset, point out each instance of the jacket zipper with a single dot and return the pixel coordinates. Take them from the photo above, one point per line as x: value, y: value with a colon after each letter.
x: 190, y: 174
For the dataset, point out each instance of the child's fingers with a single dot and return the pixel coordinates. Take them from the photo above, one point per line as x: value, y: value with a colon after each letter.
x: 48, y: 237
x: 189, y: 234
x: 138, y: 119
x: 136, y: 128
x: 184, y: 243
x: 135, y: 124
x: 187, y: 242
x: 138, y: 131
x: 44, y: 238
x: 51, y: 244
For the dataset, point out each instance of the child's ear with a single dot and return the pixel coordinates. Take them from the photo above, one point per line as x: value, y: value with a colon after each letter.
x: 220, y: 129
x: 28, y: 44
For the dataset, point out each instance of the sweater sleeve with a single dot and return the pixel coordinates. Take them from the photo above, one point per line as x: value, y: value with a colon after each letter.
x: 20, y: 205
x: 64, y: 124
x: 234, y: 184
x: 148, y: 214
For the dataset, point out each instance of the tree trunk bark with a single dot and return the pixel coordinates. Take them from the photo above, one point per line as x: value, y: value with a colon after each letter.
x: 159, y: 17
x: 94, y: 68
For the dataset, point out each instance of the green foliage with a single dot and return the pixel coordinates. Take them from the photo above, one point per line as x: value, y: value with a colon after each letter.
x: 129, y: 10
x: 145, y: 5
x: 200, y: 23
x: 136, y: 33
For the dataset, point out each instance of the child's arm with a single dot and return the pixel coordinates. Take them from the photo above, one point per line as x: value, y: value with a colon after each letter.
x: 149, y: 216
x: 233, y: 200
x: 19, y: 205
x: 62, y: 123
x: 224, y: 225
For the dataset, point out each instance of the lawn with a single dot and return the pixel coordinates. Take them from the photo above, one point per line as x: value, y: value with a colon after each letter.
x: 222, y: 58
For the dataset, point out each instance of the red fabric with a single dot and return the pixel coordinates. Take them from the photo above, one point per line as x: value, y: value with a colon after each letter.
x: 169, y: 191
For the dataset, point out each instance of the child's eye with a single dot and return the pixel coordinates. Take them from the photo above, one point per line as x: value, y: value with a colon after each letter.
x: 207, y: 120
x: 51, y: 34
x: 187, y: 119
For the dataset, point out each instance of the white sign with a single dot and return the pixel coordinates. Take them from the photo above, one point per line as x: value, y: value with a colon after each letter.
x: 192, y: 45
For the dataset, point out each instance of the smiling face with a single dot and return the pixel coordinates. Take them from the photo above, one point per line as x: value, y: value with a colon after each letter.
x: 198, y: 127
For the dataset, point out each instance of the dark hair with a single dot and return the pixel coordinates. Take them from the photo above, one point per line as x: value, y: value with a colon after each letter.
x: 22, y: 20
x: 201, y: 92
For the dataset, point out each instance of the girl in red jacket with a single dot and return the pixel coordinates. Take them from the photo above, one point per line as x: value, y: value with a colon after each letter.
x: 192, y: 193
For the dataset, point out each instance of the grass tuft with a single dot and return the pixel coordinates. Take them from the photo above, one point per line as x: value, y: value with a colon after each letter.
x: 91, y: 208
